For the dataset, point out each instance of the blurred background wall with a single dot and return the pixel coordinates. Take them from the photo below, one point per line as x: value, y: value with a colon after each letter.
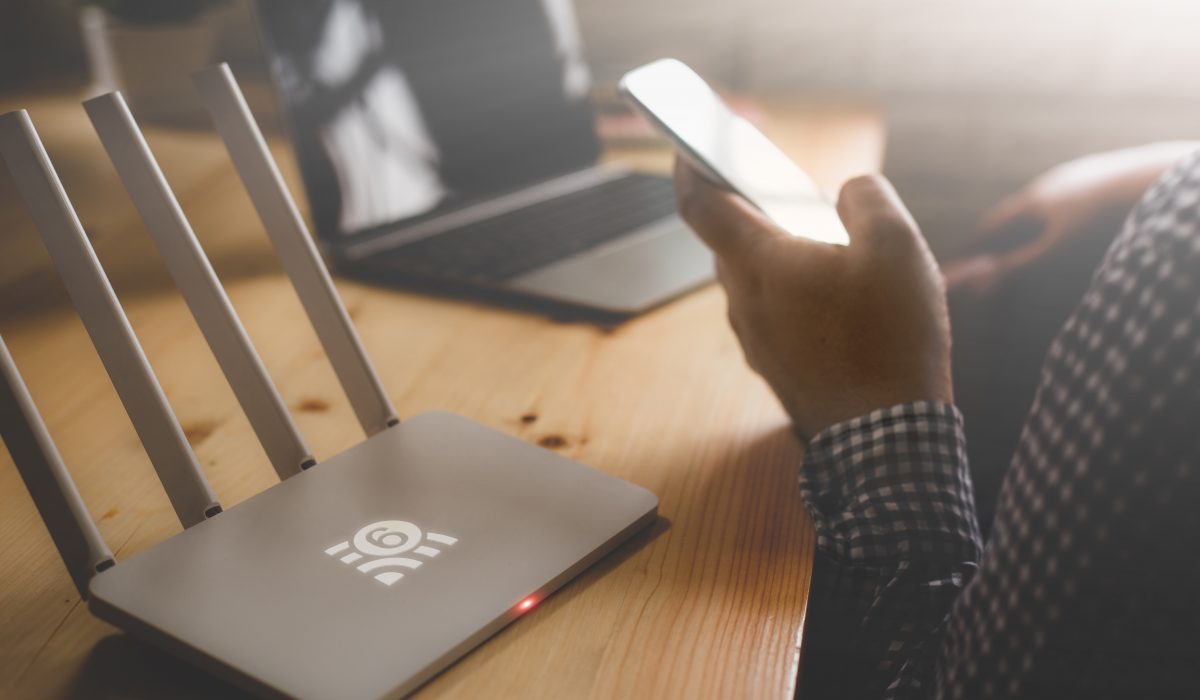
x: 979, y: 94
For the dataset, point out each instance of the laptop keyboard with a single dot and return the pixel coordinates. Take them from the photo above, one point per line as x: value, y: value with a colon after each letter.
x: 502, y: 247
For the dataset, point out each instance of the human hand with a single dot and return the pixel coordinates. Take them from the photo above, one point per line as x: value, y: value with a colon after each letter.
x: 1068, y: 206
x: 837, y: 331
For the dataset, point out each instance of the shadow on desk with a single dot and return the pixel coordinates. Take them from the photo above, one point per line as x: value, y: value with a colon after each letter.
x: 121, y: 667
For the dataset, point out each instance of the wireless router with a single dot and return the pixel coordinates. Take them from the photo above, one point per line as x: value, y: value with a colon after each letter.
x: 361, y: 576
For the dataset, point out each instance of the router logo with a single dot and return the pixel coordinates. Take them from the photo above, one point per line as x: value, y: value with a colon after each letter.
x: 381, y: 545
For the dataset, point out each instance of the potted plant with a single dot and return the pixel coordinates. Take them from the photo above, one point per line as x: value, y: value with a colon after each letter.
x: 148, y: 49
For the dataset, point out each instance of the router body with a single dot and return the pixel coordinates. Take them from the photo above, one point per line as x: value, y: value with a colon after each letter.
x: 368, y: 574
x: 357, y: 577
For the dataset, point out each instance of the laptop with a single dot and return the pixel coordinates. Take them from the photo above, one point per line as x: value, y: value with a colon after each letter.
x: 450, y: 145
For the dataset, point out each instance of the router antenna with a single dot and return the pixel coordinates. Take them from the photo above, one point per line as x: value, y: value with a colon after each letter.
x: 194, y: 275
x: 42, y: 469
x: 105, y: 320
x: 295, y: 247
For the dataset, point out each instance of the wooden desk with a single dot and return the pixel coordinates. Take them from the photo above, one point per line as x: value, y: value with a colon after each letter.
x: 708, y: 604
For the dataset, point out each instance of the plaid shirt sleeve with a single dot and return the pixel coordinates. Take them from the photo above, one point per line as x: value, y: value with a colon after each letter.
x: 897, y: 540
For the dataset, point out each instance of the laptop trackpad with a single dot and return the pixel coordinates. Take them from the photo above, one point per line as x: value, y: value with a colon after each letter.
x: 630, y: 274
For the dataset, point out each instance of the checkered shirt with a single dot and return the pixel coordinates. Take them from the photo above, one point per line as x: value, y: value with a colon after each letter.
x: 1090, y: 584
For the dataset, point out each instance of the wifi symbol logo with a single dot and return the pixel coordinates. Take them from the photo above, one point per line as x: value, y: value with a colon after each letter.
x: 381, y: 544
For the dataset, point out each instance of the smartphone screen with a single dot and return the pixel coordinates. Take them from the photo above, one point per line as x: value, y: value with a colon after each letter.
x: 730, y: 151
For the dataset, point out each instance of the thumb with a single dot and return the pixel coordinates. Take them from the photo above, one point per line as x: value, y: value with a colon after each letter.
x: 1003, y: 214
x: 1009, y: 225
x: 867, y: 201
x: 1014, y: 260
x: 986, y: 272
x: 726, y: 222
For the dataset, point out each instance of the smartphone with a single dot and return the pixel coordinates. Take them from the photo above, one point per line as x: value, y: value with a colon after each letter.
x: 729, y: 150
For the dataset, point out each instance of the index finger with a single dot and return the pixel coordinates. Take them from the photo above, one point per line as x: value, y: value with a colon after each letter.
x: 726, y: 222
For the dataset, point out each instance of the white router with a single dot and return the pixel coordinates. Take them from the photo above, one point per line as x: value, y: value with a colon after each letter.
x: 358, y: 577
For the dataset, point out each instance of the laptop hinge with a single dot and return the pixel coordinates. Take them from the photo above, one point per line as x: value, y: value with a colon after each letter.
x: 541, y: 192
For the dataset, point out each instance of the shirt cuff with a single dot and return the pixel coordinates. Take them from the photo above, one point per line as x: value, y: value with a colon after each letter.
x: 893, y: 485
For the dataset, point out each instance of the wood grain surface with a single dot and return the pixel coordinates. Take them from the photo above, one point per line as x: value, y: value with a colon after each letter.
x: 707, y: 603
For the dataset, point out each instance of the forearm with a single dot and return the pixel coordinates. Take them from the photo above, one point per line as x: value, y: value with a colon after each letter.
x: 1139, y: 166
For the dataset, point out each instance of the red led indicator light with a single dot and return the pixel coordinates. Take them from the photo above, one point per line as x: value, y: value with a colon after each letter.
x: 526, y: 604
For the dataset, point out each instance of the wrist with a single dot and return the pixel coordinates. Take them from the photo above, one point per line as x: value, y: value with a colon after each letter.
x: 813, y: 417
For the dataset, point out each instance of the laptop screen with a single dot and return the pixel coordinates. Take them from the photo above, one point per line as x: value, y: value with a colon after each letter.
x: 401, y: 109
